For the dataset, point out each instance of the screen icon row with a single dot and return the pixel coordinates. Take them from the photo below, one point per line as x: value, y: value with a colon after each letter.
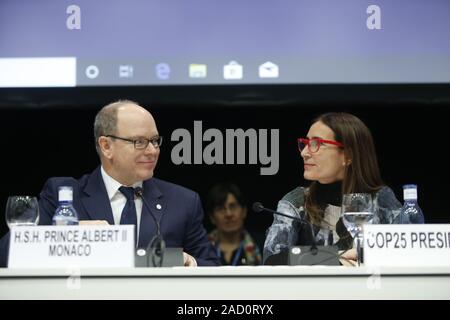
x: 231, y: 71
x: 235, y: 71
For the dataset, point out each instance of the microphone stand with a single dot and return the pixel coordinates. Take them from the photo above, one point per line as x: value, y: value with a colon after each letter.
x: 258, y: 207
x: 314, y: 250
x: 156, y: 246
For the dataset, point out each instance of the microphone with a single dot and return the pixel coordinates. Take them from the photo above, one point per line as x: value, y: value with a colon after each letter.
x: 258, y: 207
x: 156, y: 245
x: 317, y: 256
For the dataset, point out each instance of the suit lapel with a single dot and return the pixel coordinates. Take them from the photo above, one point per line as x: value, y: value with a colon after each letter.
x: 155, y: 201
x: 98, y: 207
x: 95, y: 198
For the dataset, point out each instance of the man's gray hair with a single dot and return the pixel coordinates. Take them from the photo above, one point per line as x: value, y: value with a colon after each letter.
x: 106, y: 121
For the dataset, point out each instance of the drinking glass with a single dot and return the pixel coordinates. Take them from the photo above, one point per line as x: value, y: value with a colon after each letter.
x: 22, y: 211
x: 356, y: 211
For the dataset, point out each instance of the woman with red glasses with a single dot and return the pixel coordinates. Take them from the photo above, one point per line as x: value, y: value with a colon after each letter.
x: 338, y: 158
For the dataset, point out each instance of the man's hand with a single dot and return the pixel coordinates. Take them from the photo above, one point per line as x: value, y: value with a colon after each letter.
x: 349, y: 258
x: 188, y: 260
x: 94, y: 223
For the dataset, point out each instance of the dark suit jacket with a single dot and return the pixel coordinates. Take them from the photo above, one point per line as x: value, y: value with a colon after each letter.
x: 181, y: 213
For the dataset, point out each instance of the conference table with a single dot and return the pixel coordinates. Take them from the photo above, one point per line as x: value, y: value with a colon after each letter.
x: 228, y: 283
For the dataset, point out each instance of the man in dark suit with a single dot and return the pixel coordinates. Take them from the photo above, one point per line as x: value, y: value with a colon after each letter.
x: 128, y: 144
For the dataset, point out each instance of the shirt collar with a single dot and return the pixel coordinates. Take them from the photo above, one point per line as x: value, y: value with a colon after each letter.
x: 112, y: 185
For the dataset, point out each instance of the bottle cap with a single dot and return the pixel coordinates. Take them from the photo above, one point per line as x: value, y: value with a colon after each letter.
x: 65, y: 194
x: 410, y: 192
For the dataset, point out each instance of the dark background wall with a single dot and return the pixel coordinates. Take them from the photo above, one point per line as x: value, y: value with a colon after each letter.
x: 411, y: 141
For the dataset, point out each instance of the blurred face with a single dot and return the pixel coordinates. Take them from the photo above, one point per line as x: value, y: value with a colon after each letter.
x: 229, y: 218
x: 122, y: 161
x: 327, y: 165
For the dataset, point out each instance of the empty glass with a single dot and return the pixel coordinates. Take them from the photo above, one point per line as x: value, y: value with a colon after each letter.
x: 357, y: 210
x: 22, y: 211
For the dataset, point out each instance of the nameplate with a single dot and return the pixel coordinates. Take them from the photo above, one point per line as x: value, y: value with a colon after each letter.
x: 407, y: 245
x: 71, y: 246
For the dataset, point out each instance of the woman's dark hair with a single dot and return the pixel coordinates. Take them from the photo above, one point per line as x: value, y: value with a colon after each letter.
x: 362, y: 174
x: 217, y: 196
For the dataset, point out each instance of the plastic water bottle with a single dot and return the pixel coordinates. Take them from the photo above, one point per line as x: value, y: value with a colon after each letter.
x: 411, y: 212
x: 65, y: 214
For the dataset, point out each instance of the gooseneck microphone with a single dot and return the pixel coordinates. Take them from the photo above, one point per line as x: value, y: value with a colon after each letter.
x: 156, y: 245
x: 258, y: 207
x: 321, y: 255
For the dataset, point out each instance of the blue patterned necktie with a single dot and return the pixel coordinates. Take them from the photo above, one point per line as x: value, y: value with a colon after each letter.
x: 129, y: 211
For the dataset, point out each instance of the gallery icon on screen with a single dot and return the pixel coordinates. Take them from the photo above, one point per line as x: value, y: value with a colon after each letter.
x: 197, y: 70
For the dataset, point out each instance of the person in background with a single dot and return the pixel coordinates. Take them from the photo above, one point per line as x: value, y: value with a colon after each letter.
x: 128, y: 144
x: 227, y: 210
x: 338, y: 158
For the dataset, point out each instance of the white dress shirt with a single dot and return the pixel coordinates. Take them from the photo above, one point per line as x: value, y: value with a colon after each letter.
x: 118, y: 200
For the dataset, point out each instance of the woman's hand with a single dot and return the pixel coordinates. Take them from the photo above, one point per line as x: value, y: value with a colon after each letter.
x: 349, y: 258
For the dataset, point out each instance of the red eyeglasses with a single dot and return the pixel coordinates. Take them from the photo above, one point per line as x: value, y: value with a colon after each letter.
x: 315, y: 143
